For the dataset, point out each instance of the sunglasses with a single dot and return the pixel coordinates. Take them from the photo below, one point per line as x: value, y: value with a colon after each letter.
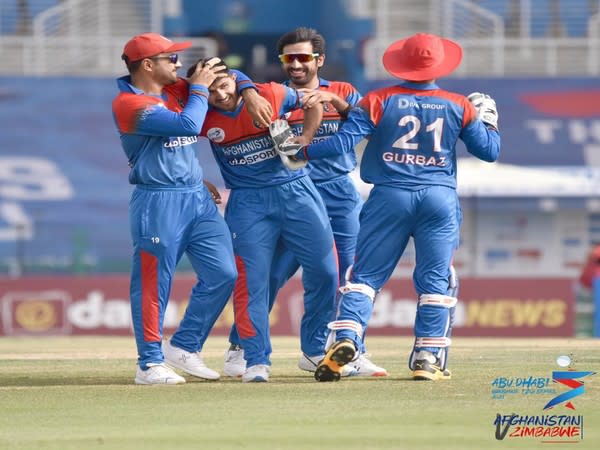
x: 172, y: 58
x: 288, y: 58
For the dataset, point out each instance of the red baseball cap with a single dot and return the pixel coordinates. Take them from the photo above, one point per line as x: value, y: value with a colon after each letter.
x: 151, y: 44
x: 422, y: 57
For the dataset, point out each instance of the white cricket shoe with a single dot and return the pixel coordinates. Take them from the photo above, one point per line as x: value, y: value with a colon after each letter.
x: 366, y: 368
x: 191, y: 363
x: 310, y: 363
x: 235, y: 364
x: 157, y: 374
x: 256, y: 374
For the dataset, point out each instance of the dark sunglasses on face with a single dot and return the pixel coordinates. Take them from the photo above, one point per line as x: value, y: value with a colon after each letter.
x: 172, y: 58
x: 288, y: 58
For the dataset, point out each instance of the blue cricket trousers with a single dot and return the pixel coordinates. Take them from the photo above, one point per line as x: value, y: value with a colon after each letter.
x: 389, y: 218
x: 165, y: 224
x: 258, y: 218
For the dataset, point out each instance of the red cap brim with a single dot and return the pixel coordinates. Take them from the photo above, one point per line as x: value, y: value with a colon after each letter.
x: 178, y: 46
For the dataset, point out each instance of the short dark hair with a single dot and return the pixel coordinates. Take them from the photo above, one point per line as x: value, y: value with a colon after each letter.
x: 202, y: 61
x: 302, y: 34
x: 132, y: 66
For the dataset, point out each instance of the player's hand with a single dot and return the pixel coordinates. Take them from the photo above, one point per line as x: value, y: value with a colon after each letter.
x: 258, y: 107
x: 486, y: 108
x: 283, y: 138
x: 214, y: 192
x: 302, y: 141
x: 298, y: 142
x: 312, y: 97
x: 205, y: 74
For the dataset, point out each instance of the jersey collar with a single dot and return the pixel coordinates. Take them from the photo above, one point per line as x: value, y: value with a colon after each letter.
x: 419, y: 86
x: 124, y: 84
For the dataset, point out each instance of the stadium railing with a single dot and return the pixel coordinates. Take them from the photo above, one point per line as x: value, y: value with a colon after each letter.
x: 500, y: 37
x: 493, y: 46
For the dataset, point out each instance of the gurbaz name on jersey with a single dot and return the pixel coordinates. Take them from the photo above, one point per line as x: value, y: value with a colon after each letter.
x: 262, y: 149
x: 417, y: 160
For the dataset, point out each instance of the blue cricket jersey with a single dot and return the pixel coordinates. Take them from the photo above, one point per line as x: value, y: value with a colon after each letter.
x: 413, y: 130
x: 244, y: 152
x: 341, y: 164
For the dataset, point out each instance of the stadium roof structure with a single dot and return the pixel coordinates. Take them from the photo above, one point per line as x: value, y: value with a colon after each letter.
x: 479, y: 178
x: 497, y: 180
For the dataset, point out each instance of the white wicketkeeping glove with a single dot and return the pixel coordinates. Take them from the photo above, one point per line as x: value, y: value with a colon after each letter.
x: 486, y: 108
x: 281, y: 133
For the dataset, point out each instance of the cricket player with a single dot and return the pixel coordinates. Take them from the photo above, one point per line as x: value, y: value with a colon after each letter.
x: 159, y: 116
x: 410, y: 159
x: 302, y: 55
x: 271, y: 200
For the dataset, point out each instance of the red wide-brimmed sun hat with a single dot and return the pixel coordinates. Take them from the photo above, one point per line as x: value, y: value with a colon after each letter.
x: 422, y: 57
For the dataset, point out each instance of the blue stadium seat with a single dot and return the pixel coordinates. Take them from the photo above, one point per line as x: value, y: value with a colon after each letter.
x: 9, y: 13
x: 541, y: 18
x: 500, y: 7
x: 575, y: 15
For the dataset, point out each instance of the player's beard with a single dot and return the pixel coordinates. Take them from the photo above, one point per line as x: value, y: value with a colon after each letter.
x: 174, y: 76
x: 299, y: 79
x: 169, y: 78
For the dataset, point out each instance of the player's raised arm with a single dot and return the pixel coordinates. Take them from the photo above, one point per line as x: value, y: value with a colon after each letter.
x: 355, y: 129
x: 481, y: 136
x: 312, y: 121
x: 258, y: 107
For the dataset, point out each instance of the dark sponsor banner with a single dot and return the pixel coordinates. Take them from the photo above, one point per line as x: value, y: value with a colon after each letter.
x: 100, y: 305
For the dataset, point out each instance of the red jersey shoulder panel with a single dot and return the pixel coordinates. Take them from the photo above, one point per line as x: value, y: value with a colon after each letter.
x: 275, y: 93
x: 178, y: 89
x: 341, y: 88
x: 128, y: 107
x: 372, y: 103
x: 224, y: 128
x: 469, y: 112
x: 177, y: 95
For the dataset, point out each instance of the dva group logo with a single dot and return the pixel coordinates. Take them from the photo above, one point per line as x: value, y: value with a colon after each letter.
x: 558, y: 422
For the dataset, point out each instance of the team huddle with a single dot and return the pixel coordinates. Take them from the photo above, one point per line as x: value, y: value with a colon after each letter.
x: 285, y: 151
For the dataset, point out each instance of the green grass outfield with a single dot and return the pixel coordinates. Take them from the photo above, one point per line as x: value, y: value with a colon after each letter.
x: 78, y: 394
